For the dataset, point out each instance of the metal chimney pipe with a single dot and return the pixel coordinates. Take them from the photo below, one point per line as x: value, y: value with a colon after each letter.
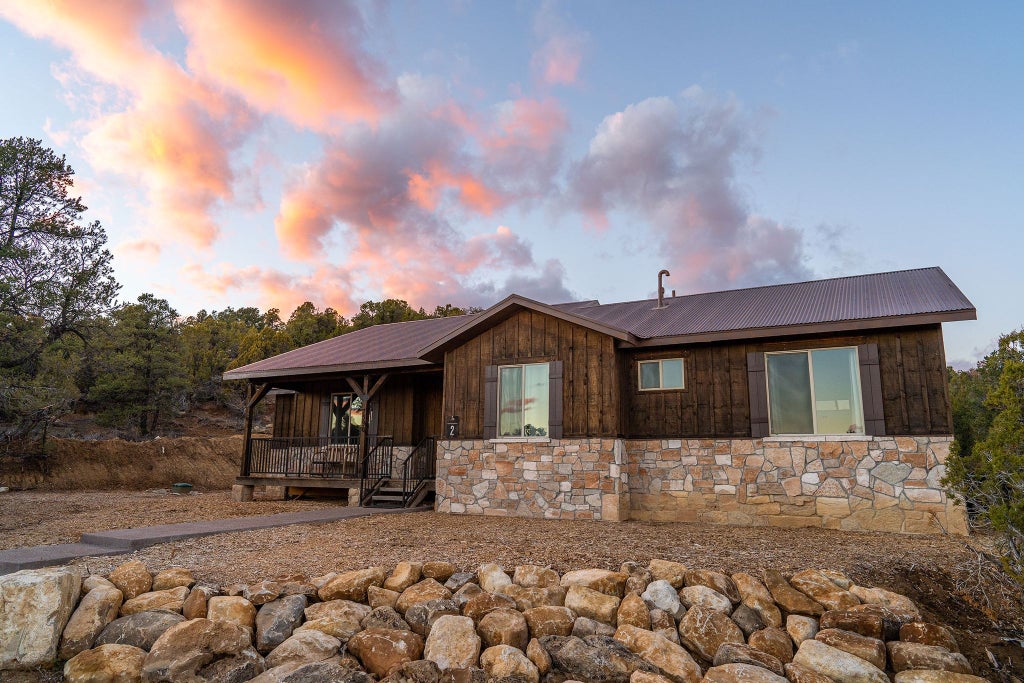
x: 661, y: 287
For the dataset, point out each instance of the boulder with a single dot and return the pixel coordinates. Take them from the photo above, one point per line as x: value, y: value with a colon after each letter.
x: 106, y: 663
x: 500, y: 661
x: 275, y: 621
x: 382, y: 650
x: 539, y: 656
x: 492, y: 577
x: 801, y: 628
x: 503, y: 627
x: 236, y: 610
x: 184, y: 648
x: 262, y: 592
x: 748, y: 620
x: 648, y: 677
x: 673, y: 661
x: 533, y: 576
x: 466, y: 593
x: 869, y: 649
x: 936, y: 676
x: 385, y: 617
x: 587, y: 602
x: 660, y: 594
x: 716, y: 581
x: 421, y: 617
x: 418, y: 671
x: 97, y: 609
x: 549, y: 621
x: 756, y: 596
x: 132, y: 579
x: 583, y: 627
x: 381, y: 597
x: 441, y: 571
x: 918, y: 656
x: 865, y: 623
x: 703, y: 631
x: 600, y: 580
x: 138, y: 630
x: 427, y: 589
x: 172, y: 578
x: 339, y: 609
x: 902, y: 607
x: 244, y: 666
x: 633, y: 611
x: 195, y: 604
x: 458, y: 580
x: 841, y: 667
x: 639, y: 577
x: 352, y: 585
x: 35, y: 605
x: 801, y: 674
x: 172, y: 600
x: 788, y: 598
x: 527, y: 598
x: 341, y: 628
x: 817, y: 585
x: 595, y: 658
x: 405, y: 574
x: 702, y: 596
x: 773, y: 641
x: 741, y: 672
x: 925, y: 634
x: 479, y: 605
x: 665, y: 570
x: 303, y: 647
x: 327, y: 671
x: 95, y: 581
x: 453, y: 643
x: 295, y: 586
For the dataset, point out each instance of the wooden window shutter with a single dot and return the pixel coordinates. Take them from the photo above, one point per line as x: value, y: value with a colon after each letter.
x: 871, y: 389
x: 757, y: 383
x: 490, y: 402
x: 325, y: 416
x: 555, y: 399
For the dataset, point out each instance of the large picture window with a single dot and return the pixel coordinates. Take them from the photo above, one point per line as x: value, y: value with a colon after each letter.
x: 814, y: 392
x: 523, y: 400
x: 666, y: 373
x: 346, y: 418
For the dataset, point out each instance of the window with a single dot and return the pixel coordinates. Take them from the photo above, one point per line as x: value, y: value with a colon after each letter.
x: 346, y: 418
x: 523, y: 400
x: 661, y: 374
x: 814, y: 392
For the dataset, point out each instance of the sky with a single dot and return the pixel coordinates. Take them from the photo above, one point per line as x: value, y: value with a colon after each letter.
x: 267, y: 153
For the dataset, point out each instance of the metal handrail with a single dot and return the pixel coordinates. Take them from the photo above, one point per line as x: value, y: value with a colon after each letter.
x: 418, y: 468
x: 376, y: 467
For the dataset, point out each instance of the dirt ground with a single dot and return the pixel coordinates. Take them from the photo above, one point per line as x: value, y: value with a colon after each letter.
x: 953, y: 580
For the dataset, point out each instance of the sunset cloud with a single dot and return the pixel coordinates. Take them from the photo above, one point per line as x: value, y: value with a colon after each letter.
x: 559, y: 55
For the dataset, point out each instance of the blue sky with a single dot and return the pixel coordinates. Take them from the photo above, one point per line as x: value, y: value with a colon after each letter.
x: 242, y: 154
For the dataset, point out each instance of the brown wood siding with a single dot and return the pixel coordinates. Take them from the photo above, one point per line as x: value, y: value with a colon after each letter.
x: 716, y: 400
x: 590, y: 397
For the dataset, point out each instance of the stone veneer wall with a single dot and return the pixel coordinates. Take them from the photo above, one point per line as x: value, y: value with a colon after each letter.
x: 863, y: 483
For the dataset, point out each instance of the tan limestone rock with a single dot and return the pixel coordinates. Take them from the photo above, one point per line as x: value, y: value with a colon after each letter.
x: 789, y: 598
x: 675, y: 662
x: 716, y: 581
x: 736, y: 653
x: 639, y: 676
x: 172, y: 600
x: 404, y: 575
x: 453, y: 643
x: 865, y: 623
x: 549, y: 621
x: 95, y: 581
x: 262, y: 592
x: 539, y: 656
x: 801, y: 628
x: 665, y: 570
x: 929, y: 634
x: 341, y: 628
x: 869, y: 649
x: 341, y: 609
x: 195, y: 604
x: 592, y: 604
x: 186, y: 647
x: 441, y: 571
x: 381, y: 597
x: 303, y: 647
x: 526, y: 598
x: 773, y: 641
x: 427, y: 589
x: 382, y: 650
x: 841, y: 667
x: 600, y: 580
x: 499, y: 661
x: 352, y: 585
x: 479, y: 605
x: 534, y: 576
x: 819, y: 586
x: 936, y: 676
x: 232, y: 609
x: 132, y: 579
x: 504, y: 627
x: 492, y: 577
x: 891, y: 622
x: 905, y: 656
x: 756, y: 596
x: 741, y: 672
x: 801, y: 674
x: 633, y: 611
x: 639, y: 576
x: 97, y: 608
x: 106, y: 664
x: 702, y: 596
x: 172, y: 578
x: 900, y: 605
x: 704, y: 630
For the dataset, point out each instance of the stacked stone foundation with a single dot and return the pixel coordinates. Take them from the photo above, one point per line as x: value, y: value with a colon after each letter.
x: 852, y: 483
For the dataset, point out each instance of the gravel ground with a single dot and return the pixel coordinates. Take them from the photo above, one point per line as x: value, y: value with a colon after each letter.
x: 953, y: 579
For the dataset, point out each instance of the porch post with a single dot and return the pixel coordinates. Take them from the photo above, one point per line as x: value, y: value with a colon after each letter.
x: 254, y: 395
x: 365, y: 393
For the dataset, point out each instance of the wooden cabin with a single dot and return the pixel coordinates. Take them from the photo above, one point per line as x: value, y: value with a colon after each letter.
x: 815, y: 403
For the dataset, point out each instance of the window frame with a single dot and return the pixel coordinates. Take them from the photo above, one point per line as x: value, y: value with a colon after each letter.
x: 661, y: 374
x: 349, y: 438
x: 522, y: 408
x: 859, y: 390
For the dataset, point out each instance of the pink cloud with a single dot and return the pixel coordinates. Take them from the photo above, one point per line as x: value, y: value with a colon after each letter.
x: 559, y: 56
x: 276, y: 288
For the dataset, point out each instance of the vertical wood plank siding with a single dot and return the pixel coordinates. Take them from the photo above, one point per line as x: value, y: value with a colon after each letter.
x: 590, y: 378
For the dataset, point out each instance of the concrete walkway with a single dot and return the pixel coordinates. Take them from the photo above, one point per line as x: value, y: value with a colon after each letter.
x: 126, y: 540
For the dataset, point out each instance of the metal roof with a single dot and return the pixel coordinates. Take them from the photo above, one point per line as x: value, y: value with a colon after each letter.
x: 908, y: 297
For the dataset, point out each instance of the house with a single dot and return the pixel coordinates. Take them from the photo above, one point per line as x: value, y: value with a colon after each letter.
x: 821, y: 403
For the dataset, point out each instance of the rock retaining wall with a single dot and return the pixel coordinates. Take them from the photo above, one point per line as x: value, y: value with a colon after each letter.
x: 855, y: 483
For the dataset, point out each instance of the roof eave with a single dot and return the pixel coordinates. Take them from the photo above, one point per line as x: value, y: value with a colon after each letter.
x: 342, y: 368
x: 813, y: 328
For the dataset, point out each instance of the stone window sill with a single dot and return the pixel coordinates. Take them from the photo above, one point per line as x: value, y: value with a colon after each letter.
x: 818, y: 437
x: 521, y: 439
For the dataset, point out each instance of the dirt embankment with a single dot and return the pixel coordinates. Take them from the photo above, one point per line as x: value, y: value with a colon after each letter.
x: 210, y: 463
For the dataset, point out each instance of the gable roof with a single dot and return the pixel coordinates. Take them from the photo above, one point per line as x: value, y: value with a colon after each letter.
x: 909, y: 297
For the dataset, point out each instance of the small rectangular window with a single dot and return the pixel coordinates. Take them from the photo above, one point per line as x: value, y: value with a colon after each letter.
x: 666, y: 373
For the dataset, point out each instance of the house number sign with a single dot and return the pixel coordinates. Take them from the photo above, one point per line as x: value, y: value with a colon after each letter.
x: 451, y: 427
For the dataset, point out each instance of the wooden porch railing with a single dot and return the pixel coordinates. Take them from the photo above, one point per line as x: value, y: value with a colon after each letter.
x: 306, y: 457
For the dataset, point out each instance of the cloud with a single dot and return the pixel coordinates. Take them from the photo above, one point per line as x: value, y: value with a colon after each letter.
x: 673, y: 163
x: 559, y: 55
x: 277, y: 288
